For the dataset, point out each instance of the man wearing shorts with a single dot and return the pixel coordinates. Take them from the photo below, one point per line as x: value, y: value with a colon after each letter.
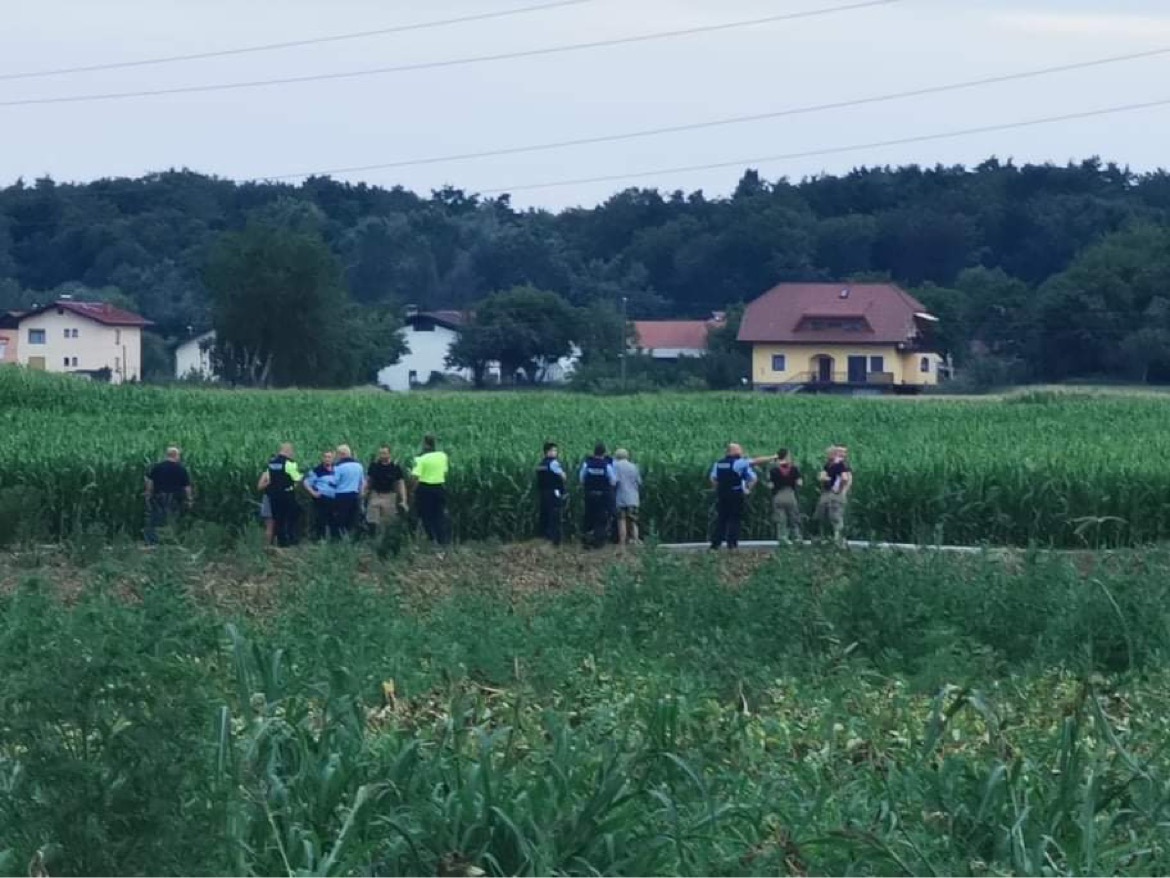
x: 385, y: 490
x: 629, y: 485
x: 836, y: 479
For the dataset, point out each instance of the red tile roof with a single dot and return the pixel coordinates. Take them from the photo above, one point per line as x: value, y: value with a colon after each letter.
x: 777, y: 316
x: 654, y: 335
x: 101, y: 312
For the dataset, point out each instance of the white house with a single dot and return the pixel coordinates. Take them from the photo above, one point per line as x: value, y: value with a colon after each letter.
x: 81, y: 337
x: 673, y: 339
x: 193, y: 357
x: 429, y: 336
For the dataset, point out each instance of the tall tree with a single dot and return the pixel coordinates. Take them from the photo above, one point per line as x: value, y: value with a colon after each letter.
x: 523, y: 329
x: 277, y: 307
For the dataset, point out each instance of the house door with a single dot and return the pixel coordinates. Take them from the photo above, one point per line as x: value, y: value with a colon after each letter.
x: 825, y: 370
x: 857, y: 370
x: 37, y: 363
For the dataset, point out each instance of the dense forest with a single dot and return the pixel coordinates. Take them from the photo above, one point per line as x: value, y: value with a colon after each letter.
x: 1040, y: 272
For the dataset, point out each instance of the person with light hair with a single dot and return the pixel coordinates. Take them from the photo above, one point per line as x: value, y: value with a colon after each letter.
x: 348, y: 481
x: 836, y: 481
x: 628, y: 496
x: 168, y: 492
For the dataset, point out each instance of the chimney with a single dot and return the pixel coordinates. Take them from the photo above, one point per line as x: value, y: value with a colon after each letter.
x: 844, y: 293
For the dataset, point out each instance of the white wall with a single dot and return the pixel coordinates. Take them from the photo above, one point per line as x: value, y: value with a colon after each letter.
x: 428, y: 350
x: 97, y: 346
x: 192, y: 360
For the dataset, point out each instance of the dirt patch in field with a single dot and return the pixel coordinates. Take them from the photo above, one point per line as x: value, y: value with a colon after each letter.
x: 255, y: 583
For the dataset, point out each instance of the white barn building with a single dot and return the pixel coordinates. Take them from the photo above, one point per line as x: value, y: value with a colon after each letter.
x: 193, y: 358
x: 429, y: 336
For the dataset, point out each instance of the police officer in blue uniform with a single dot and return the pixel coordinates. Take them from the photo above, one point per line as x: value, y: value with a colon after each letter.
x: 732, y: 477
x: 598, y: 480
x: 550, y: 487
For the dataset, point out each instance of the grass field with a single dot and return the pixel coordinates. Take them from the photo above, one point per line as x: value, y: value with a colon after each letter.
x: 520, y: 711
x: 1053, y: 469
x: 214, y: 707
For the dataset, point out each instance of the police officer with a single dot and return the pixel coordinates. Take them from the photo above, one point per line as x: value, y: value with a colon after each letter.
x: 732, y: 478
x: 279, y: 483
x: 319, y: 485
x: 598, y: 479
x: 550, y: 487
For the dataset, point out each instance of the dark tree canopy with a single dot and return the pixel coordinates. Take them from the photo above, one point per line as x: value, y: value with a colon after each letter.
x: 1054, y: 267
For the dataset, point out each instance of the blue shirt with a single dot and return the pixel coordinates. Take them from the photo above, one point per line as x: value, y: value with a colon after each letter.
x: 610, y: 475
x: 743, y: 467
x: 348, y: 476
x: 320, y: 480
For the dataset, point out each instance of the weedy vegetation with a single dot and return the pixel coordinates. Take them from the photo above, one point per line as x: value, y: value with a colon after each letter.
x: 811, y: 712
x: 213, y: 707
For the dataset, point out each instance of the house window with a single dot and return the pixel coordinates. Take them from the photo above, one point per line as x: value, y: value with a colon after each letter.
x: 3, y: 348
x: 36, y: 336
x: 75, y: 361
x: 117, y: 336
x: 779, y: 363
x: 413, y: 376
x: 877, y: 364
x: 76, y: 333
x: 67, y: 361
x: 924, y: 366
x: 840, y: 324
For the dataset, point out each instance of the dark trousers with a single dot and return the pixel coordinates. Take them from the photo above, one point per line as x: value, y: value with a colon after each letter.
x: 550, y: 518
x: 162, y: 509
x: 728, y: 521
x: 431, y: 503
x: 346, y: 510
x: 596, y: 524
x: 286, y: 517
x: 322, y: 517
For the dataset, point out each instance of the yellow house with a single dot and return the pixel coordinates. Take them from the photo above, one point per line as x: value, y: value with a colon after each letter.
x: 840, y: 337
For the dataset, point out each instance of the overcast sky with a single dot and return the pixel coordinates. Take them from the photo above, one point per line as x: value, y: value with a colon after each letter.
x: 259, y: 133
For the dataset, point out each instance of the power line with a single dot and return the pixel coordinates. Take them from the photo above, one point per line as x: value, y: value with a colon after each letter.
x: 834, y: 150
x: 455, y: 62
x: 734, y: 120
x: 291, y: 44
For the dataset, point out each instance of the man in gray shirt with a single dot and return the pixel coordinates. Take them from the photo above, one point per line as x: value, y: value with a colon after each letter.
x: 629, y: 484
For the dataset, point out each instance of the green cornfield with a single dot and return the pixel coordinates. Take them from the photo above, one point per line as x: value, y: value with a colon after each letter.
x: 1046, y: 469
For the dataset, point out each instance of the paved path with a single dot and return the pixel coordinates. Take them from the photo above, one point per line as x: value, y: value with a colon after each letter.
x: 770, y: 545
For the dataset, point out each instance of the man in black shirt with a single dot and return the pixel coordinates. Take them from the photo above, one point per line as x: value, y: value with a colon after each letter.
x: 168, y: 490
x: 786, y: 481
x: 385, y: 490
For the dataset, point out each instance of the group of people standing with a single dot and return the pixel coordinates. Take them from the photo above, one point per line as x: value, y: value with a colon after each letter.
x: 350, y: 500
x: 733, y: 477
x: 612, y: 496
x: 612, y: 486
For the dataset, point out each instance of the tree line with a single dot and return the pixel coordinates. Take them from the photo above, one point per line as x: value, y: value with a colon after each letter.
x: 1038, y: 271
